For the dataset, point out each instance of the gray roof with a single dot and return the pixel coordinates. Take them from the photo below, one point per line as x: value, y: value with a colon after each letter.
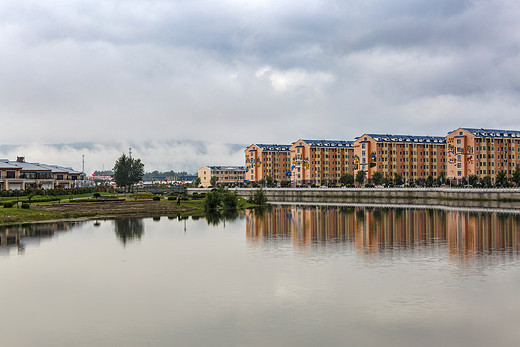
x: 59, y: 169
x: 28, y: 166
x: 24, y: 166
x: 4, y: 164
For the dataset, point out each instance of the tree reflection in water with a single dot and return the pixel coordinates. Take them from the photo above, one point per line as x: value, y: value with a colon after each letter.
x: 128, y: 229
x: 215, y: 217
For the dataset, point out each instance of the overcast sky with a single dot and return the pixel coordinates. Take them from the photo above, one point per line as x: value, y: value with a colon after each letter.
x: 183, y: 82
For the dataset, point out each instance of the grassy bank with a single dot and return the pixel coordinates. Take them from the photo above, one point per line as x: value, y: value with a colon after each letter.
x: 85, y: 206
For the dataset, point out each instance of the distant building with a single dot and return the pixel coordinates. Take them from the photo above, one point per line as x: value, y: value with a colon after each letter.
x: 463, y: 152
x: 318, y: 162
x: 413, y: 157
x: 226, y: 175
x: 482, y: 152
x: 264, y: 161
x: 20, y: 175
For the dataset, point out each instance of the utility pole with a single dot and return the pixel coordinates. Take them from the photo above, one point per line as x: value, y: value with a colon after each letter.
x: 130, y: 152
x: 83, y: 163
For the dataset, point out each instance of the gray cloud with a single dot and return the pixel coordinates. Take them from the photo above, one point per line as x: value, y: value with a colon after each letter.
x: 152, y: 72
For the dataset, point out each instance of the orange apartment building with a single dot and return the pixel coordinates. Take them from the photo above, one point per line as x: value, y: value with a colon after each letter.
x: 482, y: 152
x: 226, y: 175
x: 264, y: 161
x: 317, y: 162
x: 413, y: 157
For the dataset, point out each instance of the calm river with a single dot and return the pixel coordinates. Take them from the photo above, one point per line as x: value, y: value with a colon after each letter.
x: 291, y: 276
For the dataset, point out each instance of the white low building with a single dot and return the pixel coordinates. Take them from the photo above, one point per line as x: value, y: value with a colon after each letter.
x: 20, y: 175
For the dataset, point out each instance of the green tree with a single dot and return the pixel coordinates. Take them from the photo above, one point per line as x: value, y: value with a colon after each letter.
x: 516, y: 176
x: 386, y: 181
x: 128, y: 171
x: 347, y: 179
x: 486, y: 181
x: 398, y: 179
x: 473, y: 180
x: 501, y: 180
x: 213, y: 181
x: 429, y: 181
x: 360, y: 176
x: 212, y: 201
x: 258, y: 197
x: 285, y: 184
x: 196, y: 183
x: 229, y: 200
x: 377, y: 178
x: 269, y: 181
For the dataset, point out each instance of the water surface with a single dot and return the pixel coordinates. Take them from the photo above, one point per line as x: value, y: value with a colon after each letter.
x: 290, y: 276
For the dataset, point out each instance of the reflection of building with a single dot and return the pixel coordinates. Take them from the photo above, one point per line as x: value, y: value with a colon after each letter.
x: 264, y: 161
x: 389, y: 230
x: 19, y: 175
x: 225, y: 175
x: 29, y: 234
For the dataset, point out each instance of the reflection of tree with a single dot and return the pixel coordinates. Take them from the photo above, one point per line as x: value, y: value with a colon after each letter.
x: 215, y: 217
x: 128, y: 229
x: 262, y: 210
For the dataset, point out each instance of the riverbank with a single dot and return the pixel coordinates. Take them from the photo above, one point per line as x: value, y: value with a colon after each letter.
x: 91, y: 209
x: 452, y: 197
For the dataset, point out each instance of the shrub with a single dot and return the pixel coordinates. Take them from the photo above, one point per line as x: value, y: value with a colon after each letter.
x: 211, y: 201
x: 25, y: 205
x: 8, y: 204
x: 156, y: 198
x: 258, y: 198
x: 96, y: 195
x: 229, y: 200
x: 171, y: 198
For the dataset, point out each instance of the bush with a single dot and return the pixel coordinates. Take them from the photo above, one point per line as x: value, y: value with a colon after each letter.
x: 229, y: 200
x: 258, y: 198
x: 96, y: 195
x: 25, y: 205
x: 8, y: 204
x: 212, y: 201
x: 171, y: 198
x: 156, y: 198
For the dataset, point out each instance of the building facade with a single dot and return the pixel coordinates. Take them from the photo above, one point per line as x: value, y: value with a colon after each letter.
x: 460, y: 154
x: 412, y: 157
x: 225, y: 175
x: 482, y: 152
x: 320, y: 162
x: 20, y: 175
x: 263, y: 161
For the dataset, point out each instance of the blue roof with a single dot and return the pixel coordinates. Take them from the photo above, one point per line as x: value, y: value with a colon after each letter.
x: 406, y: 138
x: 328, y: 143
x: 273, y: 147
x: 492, y: 132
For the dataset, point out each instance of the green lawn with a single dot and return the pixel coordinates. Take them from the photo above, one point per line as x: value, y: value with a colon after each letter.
x: 18, y: 215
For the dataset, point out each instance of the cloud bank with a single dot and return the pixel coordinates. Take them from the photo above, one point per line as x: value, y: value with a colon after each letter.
x: 156, y: 72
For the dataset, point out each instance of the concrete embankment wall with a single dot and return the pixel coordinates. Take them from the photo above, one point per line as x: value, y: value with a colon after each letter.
x: 463, y: 197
